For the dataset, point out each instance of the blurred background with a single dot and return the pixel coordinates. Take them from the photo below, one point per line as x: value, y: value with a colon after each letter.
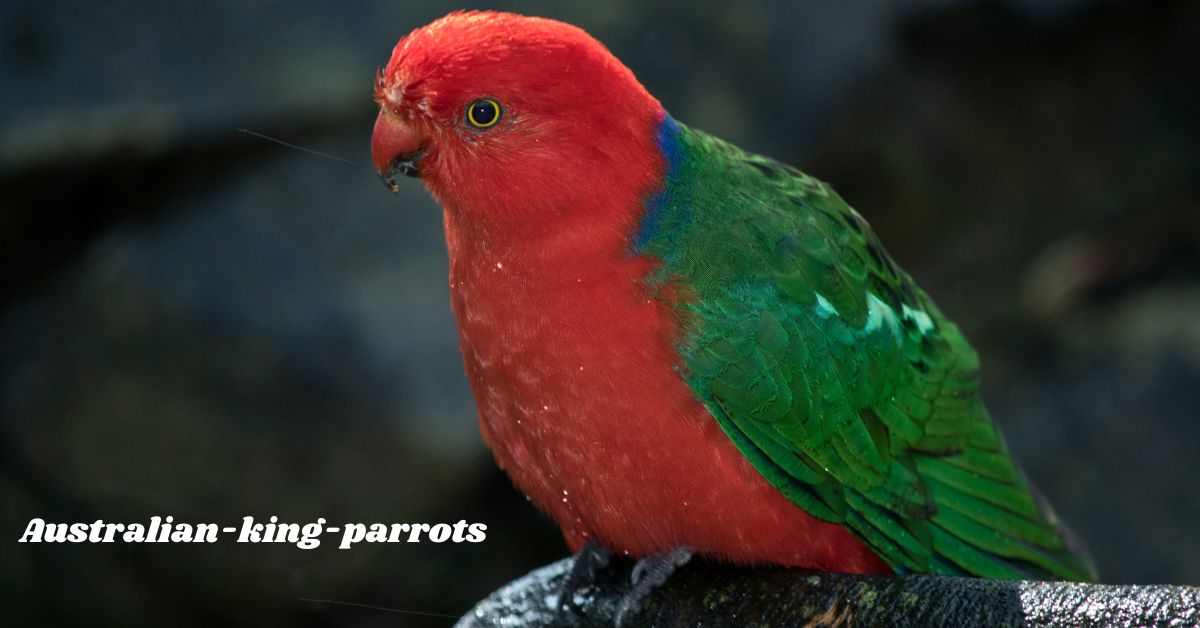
x: 198, y: 322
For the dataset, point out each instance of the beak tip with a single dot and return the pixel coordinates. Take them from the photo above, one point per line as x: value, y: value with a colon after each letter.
x: 389, y: 182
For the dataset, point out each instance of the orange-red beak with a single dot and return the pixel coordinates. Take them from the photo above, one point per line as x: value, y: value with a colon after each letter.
x: 395, y: 148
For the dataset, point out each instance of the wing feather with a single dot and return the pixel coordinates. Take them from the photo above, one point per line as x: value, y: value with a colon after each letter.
x: 835, y: 375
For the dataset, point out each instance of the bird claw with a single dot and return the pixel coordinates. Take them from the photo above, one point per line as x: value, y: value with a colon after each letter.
x: 648, y: 574
x: 589, y: 561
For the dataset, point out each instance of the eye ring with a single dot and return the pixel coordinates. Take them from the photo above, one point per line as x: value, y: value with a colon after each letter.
x: 483, y: 113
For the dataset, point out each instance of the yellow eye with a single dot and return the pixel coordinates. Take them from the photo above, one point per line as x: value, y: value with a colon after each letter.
x: 483, y: 113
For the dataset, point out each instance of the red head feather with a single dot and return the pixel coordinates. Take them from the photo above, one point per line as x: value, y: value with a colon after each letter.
x: 575, y: 122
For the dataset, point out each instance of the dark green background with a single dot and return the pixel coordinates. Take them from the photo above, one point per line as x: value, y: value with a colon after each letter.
x: 197, y: 322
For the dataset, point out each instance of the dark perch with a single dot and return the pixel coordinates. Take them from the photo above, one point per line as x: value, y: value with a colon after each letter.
x: 711, y: 594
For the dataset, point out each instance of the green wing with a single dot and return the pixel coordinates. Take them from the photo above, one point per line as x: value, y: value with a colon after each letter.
x: 833, y: 373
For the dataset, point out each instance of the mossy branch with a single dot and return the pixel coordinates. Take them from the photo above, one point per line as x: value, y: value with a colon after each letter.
x: 711, y: 594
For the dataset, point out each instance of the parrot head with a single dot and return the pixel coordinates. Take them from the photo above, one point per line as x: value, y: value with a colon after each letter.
x: 511, y: 119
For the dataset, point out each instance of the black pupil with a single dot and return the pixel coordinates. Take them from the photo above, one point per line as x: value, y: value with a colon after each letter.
x: 484, y: 112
